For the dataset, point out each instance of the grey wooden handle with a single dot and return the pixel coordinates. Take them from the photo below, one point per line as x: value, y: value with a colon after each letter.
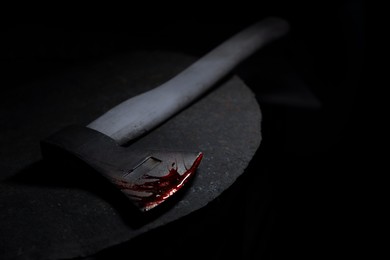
x: 141, y: 113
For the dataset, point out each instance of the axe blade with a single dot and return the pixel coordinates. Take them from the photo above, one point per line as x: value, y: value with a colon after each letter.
x: 157, y: 177
x: 146, y: 177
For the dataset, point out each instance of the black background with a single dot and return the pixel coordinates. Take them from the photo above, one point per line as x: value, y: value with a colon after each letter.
x: 306, y: 201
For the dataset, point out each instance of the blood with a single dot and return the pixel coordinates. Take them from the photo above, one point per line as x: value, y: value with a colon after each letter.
x: 160, y: 188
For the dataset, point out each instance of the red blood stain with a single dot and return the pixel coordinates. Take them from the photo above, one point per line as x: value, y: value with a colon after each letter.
x: 158, y: 188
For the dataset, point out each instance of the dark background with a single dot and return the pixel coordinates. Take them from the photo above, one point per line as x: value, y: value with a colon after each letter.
x: 300, y: 195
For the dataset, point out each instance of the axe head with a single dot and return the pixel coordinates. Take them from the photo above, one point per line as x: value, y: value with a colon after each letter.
x: 147, y: 177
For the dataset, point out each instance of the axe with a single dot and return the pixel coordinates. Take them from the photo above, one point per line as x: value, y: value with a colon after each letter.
x: 149, y: 177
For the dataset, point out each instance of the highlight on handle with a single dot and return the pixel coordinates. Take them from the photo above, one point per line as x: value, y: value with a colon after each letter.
x: 141, y: 113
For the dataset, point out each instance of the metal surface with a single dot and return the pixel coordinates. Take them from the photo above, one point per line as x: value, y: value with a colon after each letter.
x: 157, y: 177
x: 146, y: 177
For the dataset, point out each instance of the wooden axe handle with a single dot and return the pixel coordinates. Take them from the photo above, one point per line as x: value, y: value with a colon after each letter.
x: 141, y: 113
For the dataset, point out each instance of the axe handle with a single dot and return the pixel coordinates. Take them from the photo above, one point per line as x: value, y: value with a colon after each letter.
x: 141, y: 113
